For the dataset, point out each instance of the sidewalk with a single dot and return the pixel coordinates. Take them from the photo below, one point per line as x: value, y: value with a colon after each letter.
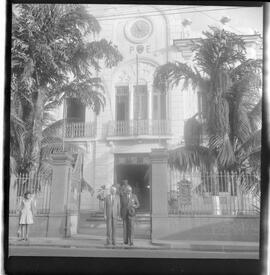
x: 84, y: 241
x: 91, y: 241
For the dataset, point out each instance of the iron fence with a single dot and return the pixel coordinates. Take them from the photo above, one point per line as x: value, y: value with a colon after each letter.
x: 39, y: 186
x: 222, y: 193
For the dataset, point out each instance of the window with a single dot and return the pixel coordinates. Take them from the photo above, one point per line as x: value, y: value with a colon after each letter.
x: 159, y: 105
x: 75, y: 110
x: 140, y: 102
x: 122, y: 103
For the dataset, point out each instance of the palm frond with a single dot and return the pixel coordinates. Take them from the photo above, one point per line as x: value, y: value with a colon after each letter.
x: 246, y: 68
x: 87, y: 94
x: 191, y: 157
x: 225, y: 153
x: 172, y: 73
x: 220, y: 49
x: 255, y: 116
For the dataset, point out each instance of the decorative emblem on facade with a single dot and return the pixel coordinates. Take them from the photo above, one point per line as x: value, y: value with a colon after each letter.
x: 128, y: 73
x: 140, y: 49
x: 138, y: 30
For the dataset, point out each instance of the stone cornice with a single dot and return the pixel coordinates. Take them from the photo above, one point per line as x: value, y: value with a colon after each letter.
x: 184, y: 45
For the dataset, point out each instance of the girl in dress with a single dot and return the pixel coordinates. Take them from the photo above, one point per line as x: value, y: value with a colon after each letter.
x: 26, y: 217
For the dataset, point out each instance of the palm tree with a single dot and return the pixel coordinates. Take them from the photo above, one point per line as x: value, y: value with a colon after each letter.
x: 54, y: 56
x: 230, y: 85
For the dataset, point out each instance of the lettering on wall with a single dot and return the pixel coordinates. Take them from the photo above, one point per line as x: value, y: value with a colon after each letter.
x: 139, y: 49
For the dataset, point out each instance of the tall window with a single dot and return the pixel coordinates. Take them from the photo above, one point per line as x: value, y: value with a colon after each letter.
x: 140, y: 102
x: 159, y: 105
x: 75, y: 110
x: 122, y: 103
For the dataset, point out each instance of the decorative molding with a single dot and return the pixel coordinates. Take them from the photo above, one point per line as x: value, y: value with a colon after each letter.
x: 132, y: 159
x: 159, y: 155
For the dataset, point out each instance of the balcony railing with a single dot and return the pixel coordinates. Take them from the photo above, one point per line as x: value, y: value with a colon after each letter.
x: 80, y: 129
x: 139, y: 128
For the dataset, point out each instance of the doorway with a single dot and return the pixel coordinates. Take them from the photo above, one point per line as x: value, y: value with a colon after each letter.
x: 138, y: 179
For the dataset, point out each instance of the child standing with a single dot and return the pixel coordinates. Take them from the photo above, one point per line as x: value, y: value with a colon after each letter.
x: 26, y: 216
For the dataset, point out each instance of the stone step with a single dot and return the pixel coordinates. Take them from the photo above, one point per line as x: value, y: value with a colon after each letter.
x: 99, y: 216
x: 93, y: 223
x: 99, y: 229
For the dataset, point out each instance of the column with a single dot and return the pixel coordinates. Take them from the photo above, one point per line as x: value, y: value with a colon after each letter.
x: 159, y: 160
x: 58, y: 224
x: 131, y: 102
x: 150, y: 106
x: 131, y: 109
x: 159, y: 197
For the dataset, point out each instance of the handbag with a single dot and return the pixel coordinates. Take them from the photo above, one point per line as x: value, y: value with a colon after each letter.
x: 131, y: 211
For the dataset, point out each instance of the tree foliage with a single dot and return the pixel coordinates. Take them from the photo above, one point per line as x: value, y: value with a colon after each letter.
x: 231, y: 86
x: 54, y: 56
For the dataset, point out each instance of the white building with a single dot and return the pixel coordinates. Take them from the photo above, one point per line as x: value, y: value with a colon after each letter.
x: 136, y: 117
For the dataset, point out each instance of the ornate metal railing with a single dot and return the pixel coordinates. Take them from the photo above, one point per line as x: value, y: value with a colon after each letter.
x: 80, y: 129
x: 139, y: 127
x: 39, y: 186
x: 222, y: 193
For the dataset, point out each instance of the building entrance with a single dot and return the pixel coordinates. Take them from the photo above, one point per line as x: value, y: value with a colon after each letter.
x: 138, y: 178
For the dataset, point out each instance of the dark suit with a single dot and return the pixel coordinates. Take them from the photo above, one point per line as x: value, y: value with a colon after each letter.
x: 128, y: 221
x: 111, y: 213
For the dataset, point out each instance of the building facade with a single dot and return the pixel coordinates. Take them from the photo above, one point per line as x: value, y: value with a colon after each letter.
x: 130, y: 139
x: 137, y: 118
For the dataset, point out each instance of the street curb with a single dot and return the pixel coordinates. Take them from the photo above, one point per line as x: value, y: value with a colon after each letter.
x: 209, y: 247
x: 154, y: 246
x: 85, y: 246
x: 98, y: 242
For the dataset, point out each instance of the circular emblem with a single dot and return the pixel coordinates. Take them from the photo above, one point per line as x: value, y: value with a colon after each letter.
x: 138, y: 30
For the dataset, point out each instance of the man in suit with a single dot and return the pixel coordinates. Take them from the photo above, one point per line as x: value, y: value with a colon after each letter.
x: 122, y: 193
x: 123, y: 188
x: 111, y: 214
x: 129, y: 204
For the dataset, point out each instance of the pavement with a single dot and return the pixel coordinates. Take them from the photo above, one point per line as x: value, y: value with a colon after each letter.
x: 98, y: 242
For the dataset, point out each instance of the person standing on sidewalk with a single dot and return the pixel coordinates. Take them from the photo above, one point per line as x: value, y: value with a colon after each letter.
x: 122, y: 193
x: 128, y: 211
x: 27, y: 210
x: 111, y: 214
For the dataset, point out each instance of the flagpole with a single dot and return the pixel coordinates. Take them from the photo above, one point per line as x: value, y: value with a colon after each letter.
x: 64, y: 125
x: 137, y: 71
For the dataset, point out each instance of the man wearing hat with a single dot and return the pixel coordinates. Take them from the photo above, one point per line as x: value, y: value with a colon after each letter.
x: 129, y: 204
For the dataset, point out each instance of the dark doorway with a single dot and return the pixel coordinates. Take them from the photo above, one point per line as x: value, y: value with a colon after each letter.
x: 137, y: 176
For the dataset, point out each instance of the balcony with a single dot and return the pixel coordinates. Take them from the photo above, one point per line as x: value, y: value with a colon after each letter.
x: 139, y: 128
x: 80, y: 130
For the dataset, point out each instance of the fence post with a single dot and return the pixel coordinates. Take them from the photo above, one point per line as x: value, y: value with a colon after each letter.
x: 159, y: 189
x: 58, y: 218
